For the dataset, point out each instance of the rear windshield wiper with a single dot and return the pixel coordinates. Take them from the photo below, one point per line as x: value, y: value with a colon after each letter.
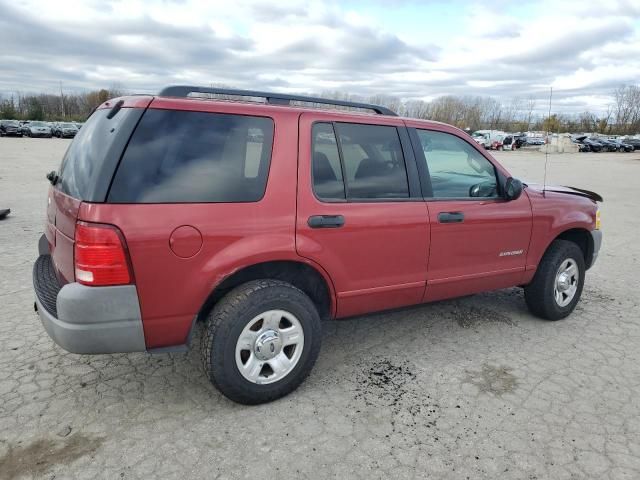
x: 116, y: 108
x: 53, y: 177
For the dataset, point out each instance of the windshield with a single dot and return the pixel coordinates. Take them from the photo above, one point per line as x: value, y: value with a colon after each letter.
x: 13, y: 123
x: 37, y: 124
x: 68, y: 125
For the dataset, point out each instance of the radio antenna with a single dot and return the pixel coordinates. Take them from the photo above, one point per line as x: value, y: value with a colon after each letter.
x: 546, y: 150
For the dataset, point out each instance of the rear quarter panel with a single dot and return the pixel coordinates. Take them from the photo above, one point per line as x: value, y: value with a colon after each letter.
x: 172, y: 289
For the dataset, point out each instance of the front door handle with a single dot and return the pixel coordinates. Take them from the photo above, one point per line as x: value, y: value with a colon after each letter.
x: 326, y: 221
x: 451, y: 217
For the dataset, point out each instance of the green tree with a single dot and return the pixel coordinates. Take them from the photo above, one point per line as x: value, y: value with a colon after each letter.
x: 7, y: 109
x: 551, y: 124
x: 35, y: 110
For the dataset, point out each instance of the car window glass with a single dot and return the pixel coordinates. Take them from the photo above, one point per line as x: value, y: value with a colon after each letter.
x: 373, y: 161
x: 180, y: 157
x: 457, y: 170
x: 327, y: 172
x: 86, y: 154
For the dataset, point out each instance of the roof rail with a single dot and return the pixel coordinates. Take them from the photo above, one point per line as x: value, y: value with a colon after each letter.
x: 272, y: 98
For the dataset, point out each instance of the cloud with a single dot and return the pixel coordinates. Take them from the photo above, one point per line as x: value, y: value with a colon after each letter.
x: 310, y: 46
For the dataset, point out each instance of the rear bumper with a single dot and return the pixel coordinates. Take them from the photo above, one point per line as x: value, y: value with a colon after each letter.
x: 85, y: 319
x: 596, y: 236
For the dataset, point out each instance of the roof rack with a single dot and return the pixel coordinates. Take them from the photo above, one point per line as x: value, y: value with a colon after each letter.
x: 272, y: 98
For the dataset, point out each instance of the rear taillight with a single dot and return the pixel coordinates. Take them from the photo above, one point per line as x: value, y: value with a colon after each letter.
x: 100, y: 255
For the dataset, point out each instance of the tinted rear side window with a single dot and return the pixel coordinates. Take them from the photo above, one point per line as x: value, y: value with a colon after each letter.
x: 87, y: 168
x: 194, y: 157
x: 373, y: 161
x: 327, y: 171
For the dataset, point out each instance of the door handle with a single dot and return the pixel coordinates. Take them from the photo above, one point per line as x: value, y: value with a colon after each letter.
x: 326, y: 221
x: 451, y: 217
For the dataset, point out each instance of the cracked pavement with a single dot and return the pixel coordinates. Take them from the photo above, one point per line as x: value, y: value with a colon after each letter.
x: 470, y: 388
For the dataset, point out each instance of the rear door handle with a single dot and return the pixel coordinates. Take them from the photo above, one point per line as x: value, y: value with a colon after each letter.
x: 326, y: 221
x: 451, y: 217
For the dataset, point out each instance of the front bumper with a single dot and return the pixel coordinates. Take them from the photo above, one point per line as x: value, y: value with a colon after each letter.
x: 85, y: 319
x: 596, y: 236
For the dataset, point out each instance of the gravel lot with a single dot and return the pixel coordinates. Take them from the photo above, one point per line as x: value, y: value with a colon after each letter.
x: 471, y: 388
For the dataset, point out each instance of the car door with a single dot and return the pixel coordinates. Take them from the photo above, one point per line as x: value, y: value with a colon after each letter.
x: 479, y: 240
x: 361, y: 215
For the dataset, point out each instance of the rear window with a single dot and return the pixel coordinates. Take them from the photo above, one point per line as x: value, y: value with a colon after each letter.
x: 86, y: 167
x: 369, y: 157
x: 194, y: 157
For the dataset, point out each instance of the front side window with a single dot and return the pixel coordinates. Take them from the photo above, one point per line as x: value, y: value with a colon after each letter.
x: 457, y: 170
x: 370, y: 159
x: 194, y: 157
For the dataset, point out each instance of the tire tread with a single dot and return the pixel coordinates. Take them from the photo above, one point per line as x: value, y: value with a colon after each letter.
x: 220, y: 323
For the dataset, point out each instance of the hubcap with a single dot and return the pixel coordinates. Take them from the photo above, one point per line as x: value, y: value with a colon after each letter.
x: 269, y: 347
x: 566, y: 284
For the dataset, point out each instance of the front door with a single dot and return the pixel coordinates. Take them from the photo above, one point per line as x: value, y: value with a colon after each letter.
x: 360, y: 215
x: 479, y: 240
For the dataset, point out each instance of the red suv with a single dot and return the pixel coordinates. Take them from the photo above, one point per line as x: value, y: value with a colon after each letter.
x: 262, y: 219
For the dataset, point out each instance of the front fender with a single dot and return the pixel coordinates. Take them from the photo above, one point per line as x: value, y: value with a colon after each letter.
x: 554, y: 214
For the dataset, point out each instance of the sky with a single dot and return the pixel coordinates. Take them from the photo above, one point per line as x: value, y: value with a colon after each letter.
x: 408, y: 49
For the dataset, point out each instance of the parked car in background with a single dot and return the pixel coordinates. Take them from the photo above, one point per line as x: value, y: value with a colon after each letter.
x: 79, y: 125
x: 634, y: 142
x: 164, y: 191
x: 38, y: 129
x: 520, y: 140
x: 24, y: 125
x: 579, y: 140
x: 508, y: 143
x: 623, y: 146
x: 10, y: 128
x: 65, y: 130
x: 535, y: 141
x: 594, y: 145
x: 607, y: 145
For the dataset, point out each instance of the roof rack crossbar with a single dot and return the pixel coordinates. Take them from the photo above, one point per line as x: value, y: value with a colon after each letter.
x: 272, y: 98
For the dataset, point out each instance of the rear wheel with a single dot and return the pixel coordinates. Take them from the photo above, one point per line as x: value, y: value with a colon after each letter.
x: 262, y: 340
x: 557, y: 284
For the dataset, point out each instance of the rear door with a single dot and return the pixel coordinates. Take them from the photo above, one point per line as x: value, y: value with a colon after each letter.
x: 479, y: 241
x: 360, y: 213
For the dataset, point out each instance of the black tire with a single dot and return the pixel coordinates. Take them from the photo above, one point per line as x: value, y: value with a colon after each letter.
x: 539, y: 294
x: 231, y: 315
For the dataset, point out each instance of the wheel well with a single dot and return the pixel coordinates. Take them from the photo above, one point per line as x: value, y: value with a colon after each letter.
x: 301, y: 275
x: 582, y: 238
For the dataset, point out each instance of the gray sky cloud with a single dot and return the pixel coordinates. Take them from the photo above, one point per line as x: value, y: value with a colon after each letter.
x: 415, y: 50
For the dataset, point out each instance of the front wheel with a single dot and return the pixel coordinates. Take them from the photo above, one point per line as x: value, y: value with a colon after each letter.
x: 557, y: 285
x: 262, y: 340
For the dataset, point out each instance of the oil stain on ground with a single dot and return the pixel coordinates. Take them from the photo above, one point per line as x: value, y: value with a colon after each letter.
x: 468, y: 316
x: 40, y: 456
x: 393, y: 385
x: 492, y: 379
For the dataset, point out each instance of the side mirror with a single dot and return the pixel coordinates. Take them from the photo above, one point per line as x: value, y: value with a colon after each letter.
x: 484, y: 189
x: 512, y: 188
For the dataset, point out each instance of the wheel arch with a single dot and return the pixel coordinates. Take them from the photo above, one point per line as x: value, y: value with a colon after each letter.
x: 581, y: 237
x: 309, y: 278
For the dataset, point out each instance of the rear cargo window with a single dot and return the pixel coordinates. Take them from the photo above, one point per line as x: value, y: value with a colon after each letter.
x: 193, y: 157
x: 85, y: 169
